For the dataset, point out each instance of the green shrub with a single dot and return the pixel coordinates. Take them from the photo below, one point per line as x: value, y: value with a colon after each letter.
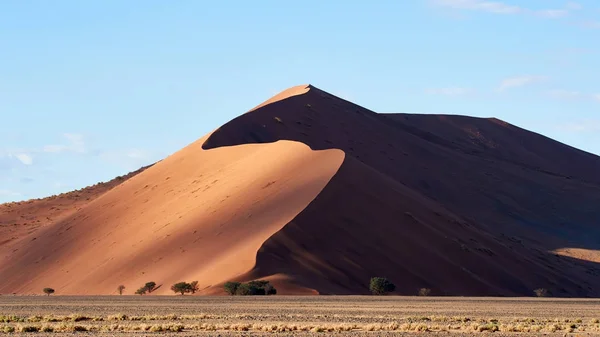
x: 150, y: 286
x: 182, y: 287
x: 194, y: 286
x: 243, y: 290
x: 256, y: 287
x: 381, y: 286
x: 141, y: 291
x: 231, y: 287
x: 270, y: 290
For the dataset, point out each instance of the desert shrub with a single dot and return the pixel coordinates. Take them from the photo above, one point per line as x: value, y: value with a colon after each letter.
x: 424, y: 292
x: 48, y: 291
x: 181, y: 287
x: 541, y: 292
x: 150, y: 286
x: 141, y: 291
x: 47, y: 328
x: 244, y: 289
x: 28, y: 328
x: 256, y: 287
x: 381, y: 286
x: 194, y: 286
x: 120, y: 289
x: 231, y: 287
x: 270, y: 290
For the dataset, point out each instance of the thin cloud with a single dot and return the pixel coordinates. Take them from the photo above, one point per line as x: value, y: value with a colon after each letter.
x: 24, y: 158
x: 131, y: 159
x: 581, y: 126
x: 498, y: 7
x: 75, y: 144
x: 451, y: 91
x: 596, y: 97
x: 565, y: 94
x: 590, y: 24
x: 479, y: 5
x: 519, y: 81
x: 9, y: 193
x: 574, y: 6
x: 552, y: 13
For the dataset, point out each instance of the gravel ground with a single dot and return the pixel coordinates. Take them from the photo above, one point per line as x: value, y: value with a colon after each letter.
x: 297, y: 316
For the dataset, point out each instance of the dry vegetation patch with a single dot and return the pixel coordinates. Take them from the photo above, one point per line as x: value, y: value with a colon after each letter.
x: 297, y: 315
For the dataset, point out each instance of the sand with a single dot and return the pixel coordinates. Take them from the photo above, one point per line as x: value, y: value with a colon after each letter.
x: 318, y: 194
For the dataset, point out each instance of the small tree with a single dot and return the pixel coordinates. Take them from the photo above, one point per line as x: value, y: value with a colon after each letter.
x: 231, y: 287
x: 257, y: 287
x: 194, y: 286
x: 182, y: 287
x: 141, y: 291
x: 150, y: 286
x: 381, y: 286
x: 244, y: 289
x: 120, y: 289
x: 48, y: 291
x: 270, y: 290
x: 424, y: 292
x: 541, y: 292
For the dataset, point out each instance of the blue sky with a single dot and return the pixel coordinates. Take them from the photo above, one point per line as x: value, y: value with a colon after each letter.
x: 94, y: 89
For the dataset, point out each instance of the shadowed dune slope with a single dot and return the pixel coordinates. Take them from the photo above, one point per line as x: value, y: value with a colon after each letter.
x: 464, y: 206
x: 197, y: 215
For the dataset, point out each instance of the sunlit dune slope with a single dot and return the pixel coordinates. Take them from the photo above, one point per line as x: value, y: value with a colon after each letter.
x: 197, y: 215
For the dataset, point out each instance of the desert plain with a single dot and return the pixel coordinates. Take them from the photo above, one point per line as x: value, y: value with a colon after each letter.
x: 298, y: 315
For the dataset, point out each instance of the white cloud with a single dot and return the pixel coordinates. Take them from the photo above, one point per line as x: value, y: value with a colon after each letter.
x: 131, y: 159
x: 552, y: 13
x: 451, y: 91
x: 582, y: 126
x: 590, y: 24
x: 499, y: 7
x: 519, y: 81
x: 596, y: 97
x: 565, y: 94
x: 574, y: 6
x: 75, y: 144
x: 480, y: 5
x: 24, y: 158
x: 9, y: 193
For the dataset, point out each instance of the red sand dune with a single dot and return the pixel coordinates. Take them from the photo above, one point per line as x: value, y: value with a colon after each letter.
x: 318, y: 195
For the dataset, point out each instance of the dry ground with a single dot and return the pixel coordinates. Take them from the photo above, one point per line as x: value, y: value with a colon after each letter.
x: 297, y: 316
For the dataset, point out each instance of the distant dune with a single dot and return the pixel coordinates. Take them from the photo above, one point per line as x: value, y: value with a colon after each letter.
x: 318, y: 194
x: 17, y: 219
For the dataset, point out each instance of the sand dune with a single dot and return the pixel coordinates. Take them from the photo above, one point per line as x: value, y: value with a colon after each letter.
x: 318, y: 194
x: 197, y: 215
x: 18, y: 219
